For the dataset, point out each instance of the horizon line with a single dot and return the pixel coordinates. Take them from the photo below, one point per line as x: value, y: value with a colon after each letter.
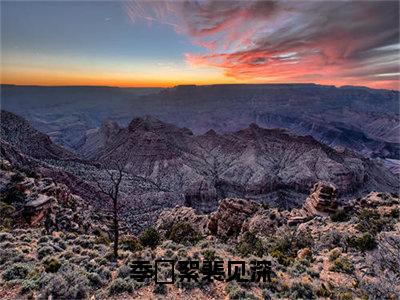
x: 199, y: 85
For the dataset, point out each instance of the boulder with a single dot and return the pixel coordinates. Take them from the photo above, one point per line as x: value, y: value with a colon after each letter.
x: 181, y: 214
x: 228, y: 220
x: 265, y: 222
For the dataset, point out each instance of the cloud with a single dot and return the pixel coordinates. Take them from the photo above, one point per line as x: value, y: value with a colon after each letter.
x: 336, y: 42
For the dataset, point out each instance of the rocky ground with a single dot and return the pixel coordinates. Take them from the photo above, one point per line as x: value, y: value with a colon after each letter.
x: 53, y: 245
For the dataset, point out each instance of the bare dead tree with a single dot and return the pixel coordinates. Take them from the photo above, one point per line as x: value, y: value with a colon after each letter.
x: 115, y: 172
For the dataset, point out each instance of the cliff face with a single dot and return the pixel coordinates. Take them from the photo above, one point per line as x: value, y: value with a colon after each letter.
x: 19, y: 133
x: 250, y: 163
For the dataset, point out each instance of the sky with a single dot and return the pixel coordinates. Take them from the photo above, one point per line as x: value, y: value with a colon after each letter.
x: 154, y: 43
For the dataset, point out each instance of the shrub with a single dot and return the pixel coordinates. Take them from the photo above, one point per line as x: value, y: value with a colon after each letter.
x: 77, y: 249
x: 333, y: 239
x: 395, y: 213
x: 340, y: 215
x: 102, y: 240
x: 342, y: 264
x: 286, y: 243
x: 91, y: 253
x: 4, y: 236
x: 29, y: 285
x: 44, y: 239
x: 51, y: 264
x: 129, y: 243
x: 6, y: 211
x: 119, y: 286
x: 16, y: 271
x: 169, y: 253
x: 234, y: 291
x: 10, y: 255
x: 160, y: 289
x: 170, y: 245
x: 17, y: 178
x: 67, y: 255
x: 95, y: 280
x: 370, y: 220
x: 250, y: 244
x: 300, y: 290
x: 344, y: 296
x: 281, y: 257
x: 150, y: 238
x: 209, y: 255
x: 363, y: 243
x: 70, y: 282
x: 334, y: 254
x: 11, y: 194
x: 183, y: 232
x: 103, y: 272
x: 101, y: 261
x: 45, y: 251
x: 124, y: 272
x: 84, y: 241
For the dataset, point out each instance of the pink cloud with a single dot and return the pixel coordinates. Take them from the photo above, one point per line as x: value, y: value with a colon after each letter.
x: 324, y: 42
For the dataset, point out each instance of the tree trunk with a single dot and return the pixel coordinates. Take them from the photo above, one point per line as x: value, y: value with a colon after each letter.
x: 116, y: 230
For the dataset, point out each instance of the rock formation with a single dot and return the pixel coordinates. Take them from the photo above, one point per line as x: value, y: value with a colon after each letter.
x: 182, y: 214
x: 228, y: 220
x: 322, y: 201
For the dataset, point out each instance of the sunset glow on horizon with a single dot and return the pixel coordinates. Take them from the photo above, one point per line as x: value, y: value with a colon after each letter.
x: 163, y: 44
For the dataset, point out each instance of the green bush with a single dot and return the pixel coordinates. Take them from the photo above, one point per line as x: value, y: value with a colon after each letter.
x: 340, y: 215
x: 70, y: 282
x: 124, y: 272
x: 95, y: 279
x: 51, y: 264
x: 283, y: 259
x: 300, y: 290
x: 6, y: 211
x: 103, y: 272
x: 285, y: 245
x: 29, y: 285
x: 394, y: 213
x: 370, y: 220
x: 85, y: 242
x: 119, y: 286
x: 150, y: 238
x: 44, y: 239
x: 334, y: 254
x: 345, y: 296
x: 209, y: 255
x: 129, y: 243
x: 10, y: 255
x: 5, y: 236
x: 45, y: 251
x: 234, y: 291
x: 343, y: 265
x: 363, y: 243
x: 183, y: 233
x: 102, y: 240
x: 250, y: 244
x: 16, y: 271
